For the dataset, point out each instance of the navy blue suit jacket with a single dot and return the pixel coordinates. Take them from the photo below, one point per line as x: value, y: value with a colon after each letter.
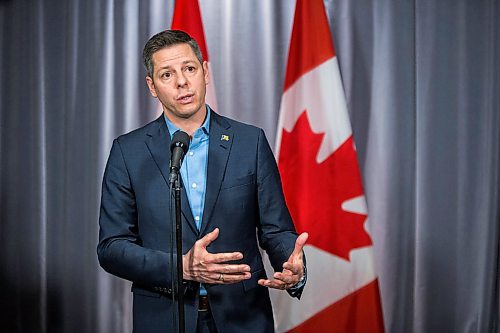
x: 244, y: 199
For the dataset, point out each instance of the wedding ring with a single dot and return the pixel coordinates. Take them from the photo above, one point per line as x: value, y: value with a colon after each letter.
x: 221, y: 277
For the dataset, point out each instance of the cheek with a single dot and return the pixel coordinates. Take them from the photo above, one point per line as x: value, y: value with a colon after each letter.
x: 165, y: 99
x: 164, y: 94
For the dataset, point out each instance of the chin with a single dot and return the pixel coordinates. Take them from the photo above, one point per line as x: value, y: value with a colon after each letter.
x: 186, y: 113
x: 189, y: 110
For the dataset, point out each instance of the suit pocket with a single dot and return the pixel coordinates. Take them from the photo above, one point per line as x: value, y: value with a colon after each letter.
x: 144, y: 292
x: 235, y: 182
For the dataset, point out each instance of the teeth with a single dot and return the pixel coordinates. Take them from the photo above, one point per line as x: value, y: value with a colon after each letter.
x: 185, y: 99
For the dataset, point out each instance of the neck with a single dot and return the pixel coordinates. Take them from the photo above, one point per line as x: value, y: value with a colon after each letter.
x: 190, y: 124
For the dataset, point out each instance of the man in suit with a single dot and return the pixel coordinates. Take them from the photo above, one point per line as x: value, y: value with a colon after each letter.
x: 232, y: 202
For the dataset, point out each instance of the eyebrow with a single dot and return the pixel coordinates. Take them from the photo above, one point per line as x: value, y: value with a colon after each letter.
x: 185, y: 62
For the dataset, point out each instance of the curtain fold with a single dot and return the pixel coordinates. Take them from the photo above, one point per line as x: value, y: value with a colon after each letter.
x: 421, y: 80
x: 456, y: 150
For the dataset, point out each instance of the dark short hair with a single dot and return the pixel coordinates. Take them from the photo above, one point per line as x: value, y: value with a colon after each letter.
x: 165, y: 39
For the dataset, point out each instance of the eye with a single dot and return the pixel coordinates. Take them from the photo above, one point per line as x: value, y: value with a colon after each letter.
x: 166, y: 75
x: 190, y: 69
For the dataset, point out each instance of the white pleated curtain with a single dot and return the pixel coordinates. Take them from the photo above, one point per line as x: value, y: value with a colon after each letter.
x: 421, y: 79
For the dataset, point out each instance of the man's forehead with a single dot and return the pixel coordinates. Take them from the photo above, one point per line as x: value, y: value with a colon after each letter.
x: 175, y: 54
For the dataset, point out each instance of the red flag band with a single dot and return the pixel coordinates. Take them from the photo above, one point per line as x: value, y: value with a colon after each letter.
x: 187, y: 17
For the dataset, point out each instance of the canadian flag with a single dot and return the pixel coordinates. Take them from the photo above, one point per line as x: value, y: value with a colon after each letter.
x: 187, y: 17
x: 323, y: 189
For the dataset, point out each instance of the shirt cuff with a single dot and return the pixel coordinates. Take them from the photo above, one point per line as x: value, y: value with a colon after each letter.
x: 298, y: 287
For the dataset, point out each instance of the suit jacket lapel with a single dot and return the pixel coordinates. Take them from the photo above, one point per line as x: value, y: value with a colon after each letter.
x: 159, y: 146
x: 219, y: 147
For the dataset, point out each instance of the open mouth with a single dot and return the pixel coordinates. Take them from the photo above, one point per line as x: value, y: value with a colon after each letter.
x: 185, y: 99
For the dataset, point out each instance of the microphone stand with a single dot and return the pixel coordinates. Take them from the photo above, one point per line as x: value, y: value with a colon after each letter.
x: 179, y: 292
x: 178, y: 147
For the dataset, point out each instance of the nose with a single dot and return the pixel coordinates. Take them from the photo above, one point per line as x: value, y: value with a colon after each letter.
x: 181, y: 80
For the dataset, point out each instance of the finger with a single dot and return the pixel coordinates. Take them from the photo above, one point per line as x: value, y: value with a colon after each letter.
x: 218, y: 258
x: 295, y: 267
x: 233, y: 278
x: 222, y: 278
x: 299, y: 244
x: 229, y: 268
x: 275, y: 284
x: 297, y: 251
x: 285, y: 278
x: 209, y: 238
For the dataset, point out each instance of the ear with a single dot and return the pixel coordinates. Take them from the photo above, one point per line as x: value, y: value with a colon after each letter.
x: 205, y: 71
x: 151, y: 86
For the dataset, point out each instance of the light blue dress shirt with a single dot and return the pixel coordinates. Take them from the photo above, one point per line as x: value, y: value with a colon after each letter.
x: 194, y: 170
x: 194, y: 167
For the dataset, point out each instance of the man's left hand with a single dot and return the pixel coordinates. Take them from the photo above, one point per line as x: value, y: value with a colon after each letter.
x: 293, y: 269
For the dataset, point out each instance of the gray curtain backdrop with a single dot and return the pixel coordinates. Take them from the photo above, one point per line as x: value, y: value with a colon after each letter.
x: 422, y: 80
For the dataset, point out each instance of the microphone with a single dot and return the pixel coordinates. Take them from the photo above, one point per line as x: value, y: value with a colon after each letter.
x: 178, y: 148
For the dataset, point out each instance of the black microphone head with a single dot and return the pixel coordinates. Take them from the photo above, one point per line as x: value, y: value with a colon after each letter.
x: 181, y: 139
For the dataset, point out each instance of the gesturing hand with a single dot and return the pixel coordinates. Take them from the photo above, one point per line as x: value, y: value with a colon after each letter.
x: 201, y: 266
x: 293, y: 269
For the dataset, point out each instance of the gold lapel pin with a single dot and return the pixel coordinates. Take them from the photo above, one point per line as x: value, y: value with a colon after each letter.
x: 224, y: 137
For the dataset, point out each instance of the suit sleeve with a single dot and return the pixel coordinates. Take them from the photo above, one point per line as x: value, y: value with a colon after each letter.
x: 276, y: 232
x: 119, y: 250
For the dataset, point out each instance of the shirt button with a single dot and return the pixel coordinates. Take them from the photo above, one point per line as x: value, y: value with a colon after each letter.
x: 191, y: 153
x: 197, y: 218
x: 194, y: 185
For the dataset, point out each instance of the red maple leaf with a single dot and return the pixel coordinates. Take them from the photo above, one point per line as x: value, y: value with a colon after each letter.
x: 315, y: 192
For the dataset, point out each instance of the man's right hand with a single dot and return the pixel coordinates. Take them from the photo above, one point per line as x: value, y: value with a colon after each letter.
x: 201, y: 266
